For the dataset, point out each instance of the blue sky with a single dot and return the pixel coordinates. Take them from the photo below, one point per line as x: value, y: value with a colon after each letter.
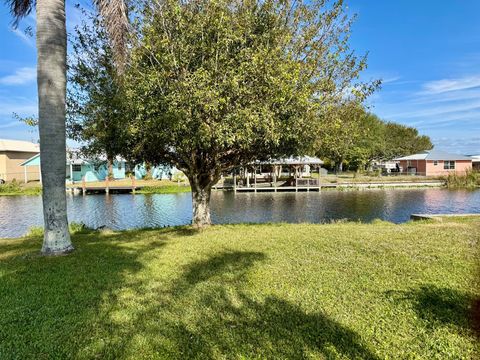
x: 427, y: 53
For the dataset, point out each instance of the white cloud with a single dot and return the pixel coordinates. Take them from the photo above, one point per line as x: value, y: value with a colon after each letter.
x: 437, y: 110
x: 391, y: 79
x: 24, y: 37
x: 447, y: 85
x: 451, y: 96
x: 21, y: 76
x: 469, y: 145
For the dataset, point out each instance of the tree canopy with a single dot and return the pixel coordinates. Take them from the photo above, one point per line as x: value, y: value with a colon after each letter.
x: 217, y: 84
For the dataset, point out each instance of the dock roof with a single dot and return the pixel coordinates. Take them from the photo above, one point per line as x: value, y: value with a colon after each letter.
x: 298, y: 160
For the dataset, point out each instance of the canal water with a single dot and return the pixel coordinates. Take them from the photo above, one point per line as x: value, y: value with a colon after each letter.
x: 127, y: 211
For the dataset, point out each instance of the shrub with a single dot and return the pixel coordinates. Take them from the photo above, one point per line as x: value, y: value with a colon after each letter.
x: 11, y: 187
x: 470, y: 179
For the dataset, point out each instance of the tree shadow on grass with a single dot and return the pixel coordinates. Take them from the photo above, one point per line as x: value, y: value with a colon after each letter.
x: 48, y: 305
x: 210, y: 311
x: 102, y: 302
x: 438, y: 306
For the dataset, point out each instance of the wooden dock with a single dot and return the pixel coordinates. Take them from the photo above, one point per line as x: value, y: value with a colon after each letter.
x: 103, y: 189
x: 318, y: 187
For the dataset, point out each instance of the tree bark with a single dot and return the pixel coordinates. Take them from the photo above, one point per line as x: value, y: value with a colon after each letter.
x: 201, y: 191
x: 110, y: 168
x: 51, y: 82
x: 339, y: 166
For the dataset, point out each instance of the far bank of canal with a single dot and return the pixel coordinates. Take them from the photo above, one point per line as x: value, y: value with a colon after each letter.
x: 125, y: 211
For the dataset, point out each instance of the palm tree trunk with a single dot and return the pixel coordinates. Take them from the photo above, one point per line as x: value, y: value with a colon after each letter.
x: 51, y: 79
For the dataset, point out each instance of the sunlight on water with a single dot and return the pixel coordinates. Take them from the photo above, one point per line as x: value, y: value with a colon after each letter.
x: 19, y: 213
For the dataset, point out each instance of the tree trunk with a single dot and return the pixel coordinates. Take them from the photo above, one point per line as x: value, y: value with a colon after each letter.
x: 110, y: 168
x: 201, y: 191
x: 51, y: 81
x: 339, y: 166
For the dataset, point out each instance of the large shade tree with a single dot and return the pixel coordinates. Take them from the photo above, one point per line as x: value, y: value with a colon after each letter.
x: 218, y: 84
x: 51, y: 37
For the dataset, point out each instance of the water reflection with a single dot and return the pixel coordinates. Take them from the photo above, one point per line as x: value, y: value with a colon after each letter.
x: 19, y: 213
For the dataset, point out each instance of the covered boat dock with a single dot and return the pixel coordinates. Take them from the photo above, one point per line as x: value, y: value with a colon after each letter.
x: 290, y: 174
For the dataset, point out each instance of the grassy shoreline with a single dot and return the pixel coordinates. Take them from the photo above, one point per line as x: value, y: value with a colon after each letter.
x: 336, y: 291
x: 15, y: 188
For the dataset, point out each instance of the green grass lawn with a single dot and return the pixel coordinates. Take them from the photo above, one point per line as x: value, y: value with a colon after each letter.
x: 279, y: 291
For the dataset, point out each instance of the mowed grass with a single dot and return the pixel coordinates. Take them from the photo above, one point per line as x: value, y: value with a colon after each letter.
x: 278, y: 291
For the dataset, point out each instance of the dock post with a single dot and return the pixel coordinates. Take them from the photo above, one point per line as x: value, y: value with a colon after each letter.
x: 107, y: 185
x: 84, y: 187
x: 319, y: 186
x: 234, y: 181
x: 133, y: 184
x: 275, y: 178
x: 255, y: 179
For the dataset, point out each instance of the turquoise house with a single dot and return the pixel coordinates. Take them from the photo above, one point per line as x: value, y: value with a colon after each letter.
x: 94, y: 170
x: 90, y: 170
x: 78, y: 168
x: 159, y: 172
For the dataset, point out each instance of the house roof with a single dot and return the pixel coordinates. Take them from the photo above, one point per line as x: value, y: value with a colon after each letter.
x: 434, y: 155
x: 33, y: 161
x: 75, y: 157
x: 18, y: 146
x: 475, y: 158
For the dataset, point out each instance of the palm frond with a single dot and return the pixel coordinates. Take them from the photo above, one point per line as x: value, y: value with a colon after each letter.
x: 19, y: 9
x: 115, y: 17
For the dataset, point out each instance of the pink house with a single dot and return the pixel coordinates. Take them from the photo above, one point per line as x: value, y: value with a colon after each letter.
x: 435, y: 163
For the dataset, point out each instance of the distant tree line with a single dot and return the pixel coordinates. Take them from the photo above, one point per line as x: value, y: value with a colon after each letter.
x: 352, y: 138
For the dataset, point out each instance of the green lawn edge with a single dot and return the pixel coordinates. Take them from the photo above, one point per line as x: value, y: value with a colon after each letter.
x: 247, y: 291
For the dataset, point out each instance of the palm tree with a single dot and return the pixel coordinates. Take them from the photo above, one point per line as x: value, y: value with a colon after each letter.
x: 52, y: 82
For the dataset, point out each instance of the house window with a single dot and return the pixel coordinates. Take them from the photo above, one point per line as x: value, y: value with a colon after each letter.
x: 119, y: 165
x: 77, y: 168
x: 409, y: 162
x: 435, y: 162
x: 449, y: 165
